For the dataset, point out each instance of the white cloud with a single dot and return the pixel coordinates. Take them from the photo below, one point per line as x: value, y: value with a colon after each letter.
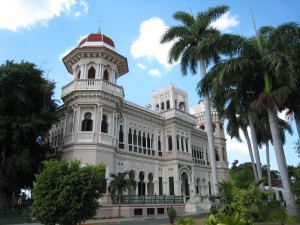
x: 17, y: 14
x: 225, y: 22
x: 142, y: 66
x: 154, y: 73
x: 148, y: 43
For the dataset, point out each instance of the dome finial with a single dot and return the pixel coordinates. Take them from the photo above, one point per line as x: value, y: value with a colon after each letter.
x: 99, y: 28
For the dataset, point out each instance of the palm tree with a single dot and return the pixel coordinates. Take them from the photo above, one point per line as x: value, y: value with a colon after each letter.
x: 241, y: 125
x: 268, y: 58
x: 187, y: 39
x: 120, y: 184
x: 231, y: 100
x: 264, y: 136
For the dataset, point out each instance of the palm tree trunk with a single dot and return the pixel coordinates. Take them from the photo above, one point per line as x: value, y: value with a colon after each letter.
x: 119, y: 206
x: 210, y: 133
x: 256, y: 151
x: 250, y: 152
x: 289, y: 196
x: 268, y: 165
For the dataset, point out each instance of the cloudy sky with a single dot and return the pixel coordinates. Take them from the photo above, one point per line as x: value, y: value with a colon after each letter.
x: 42, y: 32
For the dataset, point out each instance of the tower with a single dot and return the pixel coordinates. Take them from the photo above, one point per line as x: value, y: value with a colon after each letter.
x: 92, y: 100
x: 169, y: 97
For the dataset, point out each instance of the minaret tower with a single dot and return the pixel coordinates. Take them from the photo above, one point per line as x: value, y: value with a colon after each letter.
x: 219, y: 134
x: 92, y: 100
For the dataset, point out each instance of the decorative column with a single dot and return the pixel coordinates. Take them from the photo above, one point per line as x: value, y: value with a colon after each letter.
x: 146, y: 187
x: 65, y: 124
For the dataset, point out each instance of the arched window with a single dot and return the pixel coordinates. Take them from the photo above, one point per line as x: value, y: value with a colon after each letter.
x: 170, y: 147
x: 129, y: 137
x: 148, y: 141
x: 177, y: 142
x: 104, y: 124
x: 91, y: 73
x: 158, y: 144
x: 168, y: 104
x: 223, y: 153
x: 106, y: 75
x: 139, y: 139
x: 121, y: 137
x: 162, y: 106
x: 182, y: 106
x: 217, y: 155
x: 135, y: 140
x: 134, y: 137
x: 78, y: 74
x: 157, y: 107
x: 187, y: 144
x: 87, y: 123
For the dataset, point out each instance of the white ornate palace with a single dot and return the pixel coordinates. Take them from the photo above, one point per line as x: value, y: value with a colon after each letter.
x: 164, y: 147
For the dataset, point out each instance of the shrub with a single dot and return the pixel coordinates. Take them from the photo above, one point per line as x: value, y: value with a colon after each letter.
x: 172, y: 214
x: 186, y: 221
x: 212, y: 220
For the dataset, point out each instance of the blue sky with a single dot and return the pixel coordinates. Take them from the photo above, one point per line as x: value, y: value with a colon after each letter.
x: 43, y: 31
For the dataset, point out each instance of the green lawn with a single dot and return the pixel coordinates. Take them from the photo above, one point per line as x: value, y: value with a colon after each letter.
x: 201, y: 222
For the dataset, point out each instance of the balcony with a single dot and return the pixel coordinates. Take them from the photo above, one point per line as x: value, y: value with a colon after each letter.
x: 92, y: 85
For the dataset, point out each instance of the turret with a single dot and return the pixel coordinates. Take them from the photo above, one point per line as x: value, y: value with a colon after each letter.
x: 169, y: 97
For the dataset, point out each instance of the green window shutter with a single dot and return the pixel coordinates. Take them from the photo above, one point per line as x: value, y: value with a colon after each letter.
x: 160, y: 186
x: 171, y: 185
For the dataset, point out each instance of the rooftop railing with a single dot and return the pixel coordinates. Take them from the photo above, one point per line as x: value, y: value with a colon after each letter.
x: 92, y: 84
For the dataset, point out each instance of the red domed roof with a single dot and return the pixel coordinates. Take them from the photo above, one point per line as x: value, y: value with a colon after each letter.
x: 97, y: 39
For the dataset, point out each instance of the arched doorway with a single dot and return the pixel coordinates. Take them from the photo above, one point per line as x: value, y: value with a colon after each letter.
x: 132, y: 190
x: 150, y: 184
x: 141, y: 184
x: 185, y: 185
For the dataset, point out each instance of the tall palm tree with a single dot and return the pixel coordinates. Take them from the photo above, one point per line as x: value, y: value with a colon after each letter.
x: 264, y: 136
x: 267, y: 57
x: 241, y: 125
x: 187, y: 38
x: 120, y: 184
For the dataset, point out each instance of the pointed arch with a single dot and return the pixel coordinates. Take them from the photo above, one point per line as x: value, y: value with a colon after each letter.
x: 87, y: 123
x: 91, y: 73
x: 104, y: 124
x: 106, y: 75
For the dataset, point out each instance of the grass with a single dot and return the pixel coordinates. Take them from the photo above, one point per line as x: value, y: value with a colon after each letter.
x: 201, y: 222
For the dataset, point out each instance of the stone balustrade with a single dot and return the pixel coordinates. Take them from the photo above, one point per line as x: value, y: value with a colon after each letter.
x: 92, y: 84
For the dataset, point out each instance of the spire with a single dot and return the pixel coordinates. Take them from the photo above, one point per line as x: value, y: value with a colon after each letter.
x: 99, y: 28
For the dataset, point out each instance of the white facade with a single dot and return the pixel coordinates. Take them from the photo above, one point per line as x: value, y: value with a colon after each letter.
x: 164, y: 148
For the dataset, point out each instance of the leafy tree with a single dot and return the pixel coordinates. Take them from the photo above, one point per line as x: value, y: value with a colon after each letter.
x: 294, y: 174
x: 120, y: 184
x: 241, y: 175
x: 67, y: 193
x: 27, y: 112
x: 188, y: 39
